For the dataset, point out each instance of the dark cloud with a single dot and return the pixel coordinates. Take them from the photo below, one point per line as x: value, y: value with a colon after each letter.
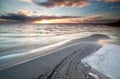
x: 24, y: 18
x: 63, y: 3
x: 17, y: 17
x: 104, y: 21
x: 100, y: 18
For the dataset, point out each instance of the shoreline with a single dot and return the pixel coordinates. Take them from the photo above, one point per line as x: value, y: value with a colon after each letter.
x: 61, y: 62
x: 10, y: 63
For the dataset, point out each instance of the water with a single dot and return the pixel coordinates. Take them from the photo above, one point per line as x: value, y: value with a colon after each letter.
x: 17, y: 39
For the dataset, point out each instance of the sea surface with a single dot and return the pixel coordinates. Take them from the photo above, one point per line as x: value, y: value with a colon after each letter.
x: 16, y: 39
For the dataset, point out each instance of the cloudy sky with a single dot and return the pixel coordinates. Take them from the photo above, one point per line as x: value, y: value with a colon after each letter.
x: 60, y: 11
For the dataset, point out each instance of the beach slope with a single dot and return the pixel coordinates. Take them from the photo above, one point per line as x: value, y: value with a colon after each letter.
x: 61, y: 61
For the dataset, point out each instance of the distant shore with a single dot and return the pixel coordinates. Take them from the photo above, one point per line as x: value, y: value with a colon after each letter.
x: 117, y: 24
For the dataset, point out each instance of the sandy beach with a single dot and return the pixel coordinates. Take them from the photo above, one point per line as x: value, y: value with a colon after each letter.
x: 57, y: 61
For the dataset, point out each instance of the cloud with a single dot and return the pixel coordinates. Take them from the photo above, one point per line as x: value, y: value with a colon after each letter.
x: 94, y: 17
x: 25, y: 12
x: 112, y: 1
x: 29, y: 1
x: 64, y: 3
x: 17, y: 17
x: 21, y: 17
x: 100, y: 18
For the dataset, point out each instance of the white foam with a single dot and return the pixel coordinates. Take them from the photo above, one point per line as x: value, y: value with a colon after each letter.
x: 106, y: 60
x: 93, y: 75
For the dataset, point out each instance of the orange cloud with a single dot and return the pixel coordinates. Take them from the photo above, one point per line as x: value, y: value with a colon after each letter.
x: 112, y: 0
x: 64, y: 3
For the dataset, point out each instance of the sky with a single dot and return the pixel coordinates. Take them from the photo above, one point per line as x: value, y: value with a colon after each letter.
x: 60, y: 11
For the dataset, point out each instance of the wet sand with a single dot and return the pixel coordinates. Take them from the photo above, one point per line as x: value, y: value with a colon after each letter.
x: 58, y: 62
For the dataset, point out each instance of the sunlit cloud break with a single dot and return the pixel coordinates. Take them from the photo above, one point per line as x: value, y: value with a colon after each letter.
x: 112, y: 0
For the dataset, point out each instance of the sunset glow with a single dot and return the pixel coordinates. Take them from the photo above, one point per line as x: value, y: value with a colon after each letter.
x: 50, y: 21
x: 60, y: 11
x: 42, y: 22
